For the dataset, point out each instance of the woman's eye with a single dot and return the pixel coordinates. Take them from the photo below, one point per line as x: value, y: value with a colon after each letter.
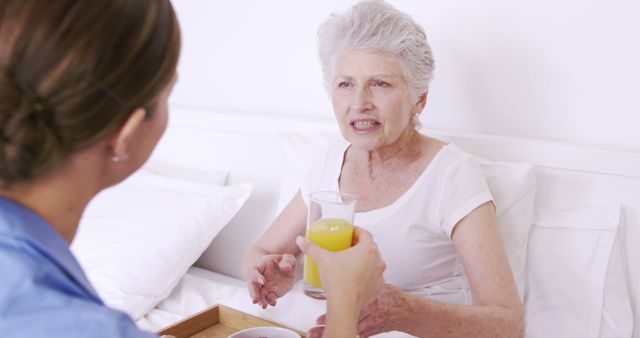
x: 343, y: 84
x: 379, y: 83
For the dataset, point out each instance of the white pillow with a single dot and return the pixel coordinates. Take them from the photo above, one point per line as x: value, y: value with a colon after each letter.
x: 216, y: 177
x: 568, y: 294
x: 299, y: 152
x: 137, y: 239
x: 511, y: 184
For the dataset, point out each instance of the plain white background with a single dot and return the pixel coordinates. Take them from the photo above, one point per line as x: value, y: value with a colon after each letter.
x: 550, y: 69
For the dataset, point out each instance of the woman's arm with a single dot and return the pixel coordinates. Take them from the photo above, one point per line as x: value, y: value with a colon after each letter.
x: 270, y: 265
x: 290, y: 223
x: 280, y: 236
x: 496, y: 312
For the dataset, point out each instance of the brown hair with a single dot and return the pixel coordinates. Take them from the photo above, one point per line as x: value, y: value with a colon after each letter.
x: 71, y: 72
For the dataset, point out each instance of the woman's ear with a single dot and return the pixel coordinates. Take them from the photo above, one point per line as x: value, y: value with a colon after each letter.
x: 121, y: 140
x: 421, y: 103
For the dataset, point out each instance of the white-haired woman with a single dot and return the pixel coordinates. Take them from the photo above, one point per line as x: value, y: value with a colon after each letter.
x: 425, y: 202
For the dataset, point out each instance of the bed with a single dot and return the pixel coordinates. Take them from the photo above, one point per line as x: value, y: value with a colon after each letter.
x: 169, y: 241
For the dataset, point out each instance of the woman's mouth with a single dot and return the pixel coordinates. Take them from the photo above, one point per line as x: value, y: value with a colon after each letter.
x: 364, y: 125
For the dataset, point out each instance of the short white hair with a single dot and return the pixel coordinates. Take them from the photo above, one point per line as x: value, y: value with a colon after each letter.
x: 374, y: 25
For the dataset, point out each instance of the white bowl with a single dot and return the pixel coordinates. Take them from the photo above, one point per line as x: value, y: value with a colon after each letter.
x: 266, y: 332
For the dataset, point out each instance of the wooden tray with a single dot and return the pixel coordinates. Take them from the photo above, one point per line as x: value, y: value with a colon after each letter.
x: 218, y: 321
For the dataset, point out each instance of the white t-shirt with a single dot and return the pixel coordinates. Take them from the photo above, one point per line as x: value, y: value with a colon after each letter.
x: 414, y: 232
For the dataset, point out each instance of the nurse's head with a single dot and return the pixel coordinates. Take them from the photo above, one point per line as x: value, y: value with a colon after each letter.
x: 83, y: 77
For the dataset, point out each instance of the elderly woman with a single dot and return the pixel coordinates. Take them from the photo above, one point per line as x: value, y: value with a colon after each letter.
x: 425, y: 202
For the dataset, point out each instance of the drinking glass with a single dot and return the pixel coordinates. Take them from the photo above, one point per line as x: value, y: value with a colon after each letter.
x: 330, y: 226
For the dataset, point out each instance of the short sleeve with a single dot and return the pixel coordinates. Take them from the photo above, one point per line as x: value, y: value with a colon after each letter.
x: 464, y: 189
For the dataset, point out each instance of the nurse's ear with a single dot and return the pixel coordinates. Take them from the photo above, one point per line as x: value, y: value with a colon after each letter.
x: 121, y: 140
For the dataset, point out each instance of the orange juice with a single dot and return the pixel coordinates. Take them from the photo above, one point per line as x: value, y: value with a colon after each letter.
x: 331, y: 234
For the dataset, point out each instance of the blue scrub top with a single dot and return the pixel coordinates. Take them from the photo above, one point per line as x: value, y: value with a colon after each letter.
x: 43, y: 291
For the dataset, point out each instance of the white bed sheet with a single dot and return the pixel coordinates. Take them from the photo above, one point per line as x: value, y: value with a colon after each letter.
x: 200, y: 289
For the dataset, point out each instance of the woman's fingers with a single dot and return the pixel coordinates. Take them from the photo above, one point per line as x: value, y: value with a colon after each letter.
x: 287, y: 263
x: 316, y: 332
x: 256, y: 281
x: 364, y: 321
x: 366, y: 327
x: 271, y: 280
x: 256, y: 288
x: 267, y: 297
x: 256, y: 277
x: 272, y: 298
x: 322, y: 320
x: 372, y: 318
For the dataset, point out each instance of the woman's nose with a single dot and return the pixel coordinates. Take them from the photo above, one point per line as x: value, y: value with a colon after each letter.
x: 361, y: 100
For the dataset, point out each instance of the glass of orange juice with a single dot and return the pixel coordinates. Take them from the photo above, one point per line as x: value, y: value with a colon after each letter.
x: 329, y: 225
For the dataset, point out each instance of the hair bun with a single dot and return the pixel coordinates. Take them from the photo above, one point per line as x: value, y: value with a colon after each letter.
x: 67, y: 87
x: 26, y: 130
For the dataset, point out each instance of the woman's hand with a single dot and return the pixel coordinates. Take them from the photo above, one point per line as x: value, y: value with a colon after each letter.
x: 269, y: 277
x: 270, y: 266
x: 380, y: 315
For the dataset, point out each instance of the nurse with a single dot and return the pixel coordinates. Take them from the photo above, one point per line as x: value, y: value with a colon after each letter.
x: 83, y: 101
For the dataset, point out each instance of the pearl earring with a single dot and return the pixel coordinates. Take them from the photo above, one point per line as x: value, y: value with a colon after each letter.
x: 117, y: 158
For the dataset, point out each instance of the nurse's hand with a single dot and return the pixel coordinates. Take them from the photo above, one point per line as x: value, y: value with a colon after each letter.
x: 352, y: 279
x: 356, y: 271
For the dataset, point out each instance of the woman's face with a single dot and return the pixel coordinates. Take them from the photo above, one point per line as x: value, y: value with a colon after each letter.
x: 371, y: 99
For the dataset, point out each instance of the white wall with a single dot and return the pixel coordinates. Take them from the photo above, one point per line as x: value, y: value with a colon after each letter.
x: 552, y: 69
